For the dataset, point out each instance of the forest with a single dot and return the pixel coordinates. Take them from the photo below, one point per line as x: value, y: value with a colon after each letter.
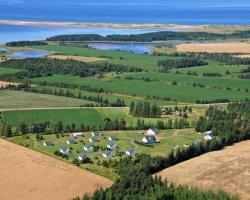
x: 36, y: 67
x: 25, y: 43
x: 149, y: 37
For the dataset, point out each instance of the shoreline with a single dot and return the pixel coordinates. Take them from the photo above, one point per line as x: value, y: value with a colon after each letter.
x: 100, y: 25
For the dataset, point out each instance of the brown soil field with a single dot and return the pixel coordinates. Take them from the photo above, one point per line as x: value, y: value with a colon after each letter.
x: 4, y: 84
x: 243, y: 48
x: 78, y: 58
x: 228, y: 170
x: 29, y: 175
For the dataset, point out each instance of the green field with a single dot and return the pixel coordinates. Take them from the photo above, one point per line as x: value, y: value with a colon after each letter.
x: 182, y: 93
x: 168, y: 140
x: 87, y: 116
x: 17, y: 99
x: 4, y: 70
x: 117, y: 57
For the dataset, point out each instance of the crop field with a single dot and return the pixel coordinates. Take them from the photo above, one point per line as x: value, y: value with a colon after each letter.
x: 87, y: 116
x: 215, y: 48
x: 31, y: 175
x: 117, y: 57
x: 17, y: 99
x: 182, y: 93
x: 226, y: 170
x: 125, y: 139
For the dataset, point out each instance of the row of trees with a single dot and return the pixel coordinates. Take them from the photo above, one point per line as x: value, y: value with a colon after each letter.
x: 180, y: 63
x: 144, y: 109
x: 25, y: 43
x: 149, y: 37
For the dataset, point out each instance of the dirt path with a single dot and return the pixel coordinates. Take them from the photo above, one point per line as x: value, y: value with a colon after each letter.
x: 228, y: 170
x: 29, y: 175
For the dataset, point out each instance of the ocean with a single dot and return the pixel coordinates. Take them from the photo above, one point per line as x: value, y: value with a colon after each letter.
x: 188, y: 12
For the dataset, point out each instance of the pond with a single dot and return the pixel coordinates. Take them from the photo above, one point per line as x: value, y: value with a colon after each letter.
x: 29, y: 54
x: 139, y: 48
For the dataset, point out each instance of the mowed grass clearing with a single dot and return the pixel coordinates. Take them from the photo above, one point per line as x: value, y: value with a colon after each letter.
x: 17, y: 99
x: 125, y: 139
x: 4, y: 70
x: 181, y: 93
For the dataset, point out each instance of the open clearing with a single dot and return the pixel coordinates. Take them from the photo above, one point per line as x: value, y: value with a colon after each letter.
x: 215, y: 48
x: 26, y: 174
x: 228, y: 170
x: 17, y: 99
x: 78, y: 58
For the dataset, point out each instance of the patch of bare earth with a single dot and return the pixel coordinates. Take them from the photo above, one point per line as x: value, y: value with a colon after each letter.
x: 78, y: 58
x: 228, y: 170
x: 215, y: 48
x: 29, y: 175
x: 4, y: 83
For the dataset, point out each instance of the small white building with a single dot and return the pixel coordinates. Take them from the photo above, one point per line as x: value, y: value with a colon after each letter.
x: 71, y: 141
x: 208, y: 137
x: 77, y: 135
x: 208, y: 133
x: 112, y: 138
x: 130, y: 151
x: 149, y: 139
x: 152, y: 131
x: 107, y: 154
x: 64, y: 150
x: 48, y: 144
x: 96, y: 134
x: 82, y: 157
x: 111, y: 145
x: 92, y: 140
x: 88, y: 147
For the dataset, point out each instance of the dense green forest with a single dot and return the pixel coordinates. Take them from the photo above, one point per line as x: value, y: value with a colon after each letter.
x: 25, y: 43
x: 36, y: 67
x: 149, y: 37
x: 144, y: 109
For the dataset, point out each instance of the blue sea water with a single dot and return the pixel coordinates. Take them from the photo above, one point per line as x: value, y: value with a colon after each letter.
x: 185, y: 12
x: 29, y: 54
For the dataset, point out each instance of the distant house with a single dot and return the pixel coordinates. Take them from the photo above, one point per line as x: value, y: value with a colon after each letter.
x: 82, y: 157
x: 77, y: 135
x: 64, y: 150
x: 111, y: 145
x: 112, y: 138
x: 93, y: 140
x: 88, y: 147
x: 208, y: 137
x: 186, y: 146
x: 149, y: 140
x: 152, y: 131
x: 48, y: 144
x: 107, y: 154
x: 208, y: 133
x: 96, y: 134
x: 130, y: 151
x: 71, y: 141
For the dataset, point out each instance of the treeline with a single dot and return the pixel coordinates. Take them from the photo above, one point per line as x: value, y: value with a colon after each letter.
x: 144, y: 109
x: 36, y: 67
x: 180, y: 63
x: 149, y: 37
x: 25, y: 43
x: 245, y: 76
x: 212, y: 101
x: 212, y: 74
